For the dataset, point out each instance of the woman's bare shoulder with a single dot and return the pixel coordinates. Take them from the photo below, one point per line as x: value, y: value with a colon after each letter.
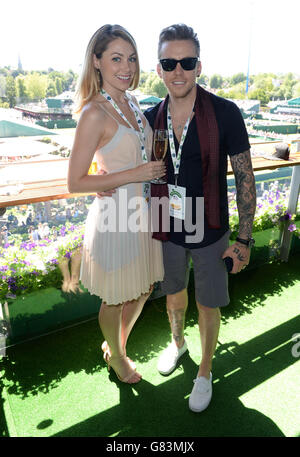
x: 93, y: 110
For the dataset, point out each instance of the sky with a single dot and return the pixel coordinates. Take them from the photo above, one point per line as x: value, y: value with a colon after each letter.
x: 56, y: 33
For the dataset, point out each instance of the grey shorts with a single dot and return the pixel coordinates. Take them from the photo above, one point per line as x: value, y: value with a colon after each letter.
x: 210, y: 274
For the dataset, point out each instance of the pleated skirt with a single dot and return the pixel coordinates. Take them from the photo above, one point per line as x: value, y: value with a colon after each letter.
x: 120, y: 259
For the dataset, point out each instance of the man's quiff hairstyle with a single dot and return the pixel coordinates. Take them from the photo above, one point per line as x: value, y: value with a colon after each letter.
x: 178, y: 32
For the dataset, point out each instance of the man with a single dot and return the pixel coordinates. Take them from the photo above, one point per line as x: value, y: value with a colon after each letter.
x: 205, y: 129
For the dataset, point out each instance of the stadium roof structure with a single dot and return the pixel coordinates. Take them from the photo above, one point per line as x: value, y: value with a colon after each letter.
x: 294, y: 101
x: 291, y: 106
x: 149, y: 100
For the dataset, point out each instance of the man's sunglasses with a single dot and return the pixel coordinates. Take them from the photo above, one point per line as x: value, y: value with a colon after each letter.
x: 188, y: 63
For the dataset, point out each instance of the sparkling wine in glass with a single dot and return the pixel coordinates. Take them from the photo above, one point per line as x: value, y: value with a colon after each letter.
x: 160, y: 146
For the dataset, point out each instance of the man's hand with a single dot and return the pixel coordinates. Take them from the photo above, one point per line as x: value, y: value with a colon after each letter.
x: 106, y: 193
x: 240, y: 255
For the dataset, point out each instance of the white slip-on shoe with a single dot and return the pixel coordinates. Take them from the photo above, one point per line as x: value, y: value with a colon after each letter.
x: 168, y: 360
x: 201, y: 394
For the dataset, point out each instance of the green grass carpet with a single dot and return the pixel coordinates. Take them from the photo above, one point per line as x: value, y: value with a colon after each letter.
x: 58, y: 385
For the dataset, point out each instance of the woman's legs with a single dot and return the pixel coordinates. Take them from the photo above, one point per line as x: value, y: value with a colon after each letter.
x: 116, y: 323
x: 110, y: 321
x: 110, y: 318
x: 131, y: 311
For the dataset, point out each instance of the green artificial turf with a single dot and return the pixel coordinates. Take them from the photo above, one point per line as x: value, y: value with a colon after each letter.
x: 58, y: 385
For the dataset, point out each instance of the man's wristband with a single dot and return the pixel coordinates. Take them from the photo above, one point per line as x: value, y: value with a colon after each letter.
x: 250, y: 242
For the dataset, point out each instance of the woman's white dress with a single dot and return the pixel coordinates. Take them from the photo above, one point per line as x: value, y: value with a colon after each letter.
x: 120, y: 258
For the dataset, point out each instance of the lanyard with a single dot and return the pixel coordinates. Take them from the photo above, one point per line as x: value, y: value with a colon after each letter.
x: 141, y: 133
x: 176, y: 160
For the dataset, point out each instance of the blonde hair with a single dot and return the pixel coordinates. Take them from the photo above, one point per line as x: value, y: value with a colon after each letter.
x: 90, y: 81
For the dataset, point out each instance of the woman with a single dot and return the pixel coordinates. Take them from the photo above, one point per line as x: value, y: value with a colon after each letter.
x: 119, y: 265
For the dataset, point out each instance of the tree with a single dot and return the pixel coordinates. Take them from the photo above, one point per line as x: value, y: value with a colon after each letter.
x: 69, y: 79
x: 216, y: 81
x: 203, y: 80
x: 143, y: 78
x: 159, y: 89
x: 155, y: 86
x: 51, y: 89
x: 288, y: 85
x: 11, y: 91
x: 221, y: 93
x: 259, y: 94
x: 59, y: 85
x: 5, y: 71
x: 21, y: 89
x: 278, y: 93
x: 237, y: 78
x: 296, y: 90
x: 36, y: 86
x: 2, y: 86
x: 236, y: 93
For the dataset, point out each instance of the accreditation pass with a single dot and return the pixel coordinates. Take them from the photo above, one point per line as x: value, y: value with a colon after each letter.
x: 177, y: 201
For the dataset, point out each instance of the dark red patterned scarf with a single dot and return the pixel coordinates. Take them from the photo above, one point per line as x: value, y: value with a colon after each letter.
x: 208, y: 135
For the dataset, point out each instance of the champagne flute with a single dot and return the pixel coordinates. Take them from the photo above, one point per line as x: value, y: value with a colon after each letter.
x: 160, y: 146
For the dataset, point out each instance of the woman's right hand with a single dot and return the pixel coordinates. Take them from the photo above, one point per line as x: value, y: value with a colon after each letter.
x: 149, y: 171
x: 107, y: 193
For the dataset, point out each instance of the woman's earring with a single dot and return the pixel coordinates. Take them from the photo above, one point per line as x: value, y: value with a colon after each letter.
x: 99, y: 76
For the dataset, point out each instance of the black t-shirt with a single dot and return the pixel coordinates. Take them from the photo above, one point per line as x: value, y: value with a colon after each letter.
x: 233, y: 139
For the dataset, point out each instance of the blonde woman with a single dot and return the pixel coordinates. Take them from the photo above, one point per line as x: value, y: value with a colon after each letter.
x: 120, y: 264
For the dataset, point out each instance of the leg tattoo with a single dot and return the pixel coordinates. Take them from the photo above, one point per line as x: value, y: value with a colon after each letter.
x: 177, y: 321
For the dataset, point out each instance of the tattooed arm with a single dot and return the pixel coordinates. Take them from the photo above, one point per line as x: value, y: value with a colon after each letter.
x: 246, y: 203
x: 245, y: 192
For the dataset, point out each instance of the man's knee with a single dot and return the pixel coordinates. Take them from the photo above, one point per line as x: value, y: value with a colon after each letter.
x: 178, y: 300
x: 208, y: 311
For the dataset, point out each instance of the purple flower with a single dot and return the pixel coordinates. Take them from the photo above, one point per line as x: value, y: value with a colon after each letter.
x: 26, y: 262
x: 63, y: 231
x: 11, y: 282
x: 68, y: 255
x: 6, y: 245
x: 72, y: 228
x: 292, y: 227
x: 287, y: 216
x: 54, y: 261
x: 30, y: 246
x: 4, y: 268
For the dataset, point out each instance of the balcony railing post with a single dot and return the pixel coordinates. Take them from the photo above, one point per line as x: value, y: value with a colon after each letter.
x: 292, y: 208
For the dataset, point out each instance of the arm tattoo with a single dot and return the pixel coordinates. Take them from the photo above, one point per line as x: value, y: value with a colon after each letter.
x: 245, y: 191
